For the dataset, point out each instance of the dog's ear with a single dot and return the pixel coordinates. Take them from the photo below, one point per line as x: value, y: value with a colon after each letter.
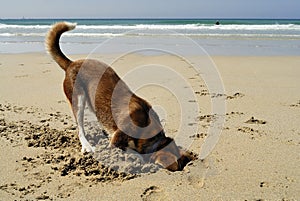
x: 166, y: 160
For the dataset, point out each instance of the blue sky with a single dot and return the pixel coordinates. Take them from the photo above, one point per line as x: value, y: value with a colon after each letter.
x: 150, y: 9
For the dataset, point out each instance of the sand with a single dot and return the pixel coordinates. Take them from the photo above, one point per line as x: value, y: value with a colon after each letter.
x: 256, y: 157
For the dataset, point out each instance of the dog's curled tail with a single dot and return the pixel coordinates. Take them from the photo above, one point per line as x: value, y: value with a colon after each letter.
x: 52, y: 43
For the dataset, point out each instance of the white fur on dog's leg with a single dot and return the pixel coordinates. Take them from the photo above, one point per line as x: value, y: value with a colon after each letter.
x: 111, y: 146
x: 86, y: 147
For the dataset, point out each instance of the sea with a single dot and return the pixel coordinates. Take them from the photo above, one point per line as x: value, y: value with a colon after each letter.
x: 251, y: 37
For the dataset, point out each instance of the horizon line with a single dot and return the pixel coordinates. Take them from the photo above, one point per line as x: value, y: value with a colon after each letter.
x: 145, y: 18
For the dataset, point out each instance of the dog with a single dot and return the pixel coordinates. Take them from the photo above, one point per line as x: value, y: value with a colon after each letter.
x: 128, y: 119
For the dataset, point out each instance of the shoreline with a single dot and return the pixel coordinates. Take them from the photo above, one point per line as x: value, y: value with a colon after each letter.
x: 256, y: 157
x: 211, y: 45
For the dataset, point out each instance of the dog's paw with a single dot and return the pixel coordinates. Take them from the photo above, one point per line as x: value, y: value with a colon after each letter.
x: 87, y: 149
x: 111, y: 146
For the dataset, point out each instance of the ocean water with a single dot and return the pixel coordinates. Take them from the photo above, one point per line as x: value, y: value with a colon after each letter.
x: 230, y: 37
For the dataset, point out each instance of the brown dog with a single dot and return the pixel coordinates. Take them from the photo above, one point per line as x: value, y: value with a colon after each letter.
x: 127, y: 118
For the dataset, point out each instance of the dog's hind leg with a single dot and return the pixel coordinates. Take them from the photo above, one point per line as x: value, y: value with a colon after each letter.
x: 79, y: 102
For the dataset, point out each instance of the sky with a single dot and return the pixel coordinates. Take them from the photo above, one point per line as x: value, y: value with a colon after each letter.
x: 150, y: 9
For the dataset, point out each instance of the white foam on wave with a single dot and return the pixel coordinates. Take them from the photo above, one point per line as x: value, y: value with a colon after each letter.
x: 13, y: 26
x: 193, y: 27
x: 99, y: 35
x: 164, y: 27
x: 65, y: 35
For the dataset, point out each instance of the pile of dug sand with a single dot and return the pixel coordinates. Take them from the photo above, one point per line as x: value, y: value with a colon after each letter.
x: 63, y: 148
x: 122, y: 161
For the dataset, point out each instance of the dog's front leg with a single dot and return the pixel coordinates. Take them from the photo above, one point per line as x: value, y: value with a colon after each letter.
x: 119, y: 139
x: 79, y: 103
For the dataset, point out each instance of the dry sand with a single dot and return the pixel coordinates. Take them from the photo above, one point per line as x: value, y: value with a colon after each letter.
x: 256, y: 158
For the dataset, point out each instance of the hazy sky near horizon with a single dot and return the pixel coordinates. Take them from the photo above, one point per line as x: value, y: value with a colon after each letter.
x: 150, y: 9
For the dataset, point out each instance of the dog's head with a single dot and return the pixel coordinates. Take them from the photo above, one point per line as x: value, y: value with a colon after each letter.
x: 171, y: 157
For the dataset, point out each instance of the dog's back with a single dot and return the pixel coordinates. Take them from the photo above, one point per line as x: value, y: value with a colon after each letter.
x: 104, y: 90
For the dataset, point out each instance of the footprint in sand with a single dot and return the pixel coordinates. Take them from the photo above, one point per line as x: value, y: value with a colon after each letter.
x: 296, y: 104
x: 154, y: 193
x: 236, y: 95
x: 203, y: 92
x: 196, y: 172
x: 46, y: 71
x: 253, y: 133
x: 21, y: 76
x: 252, y: 120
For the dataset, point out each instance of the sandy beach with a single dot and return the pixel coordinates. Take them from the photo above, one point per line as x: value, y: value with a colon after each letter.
x: 256, y: 158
